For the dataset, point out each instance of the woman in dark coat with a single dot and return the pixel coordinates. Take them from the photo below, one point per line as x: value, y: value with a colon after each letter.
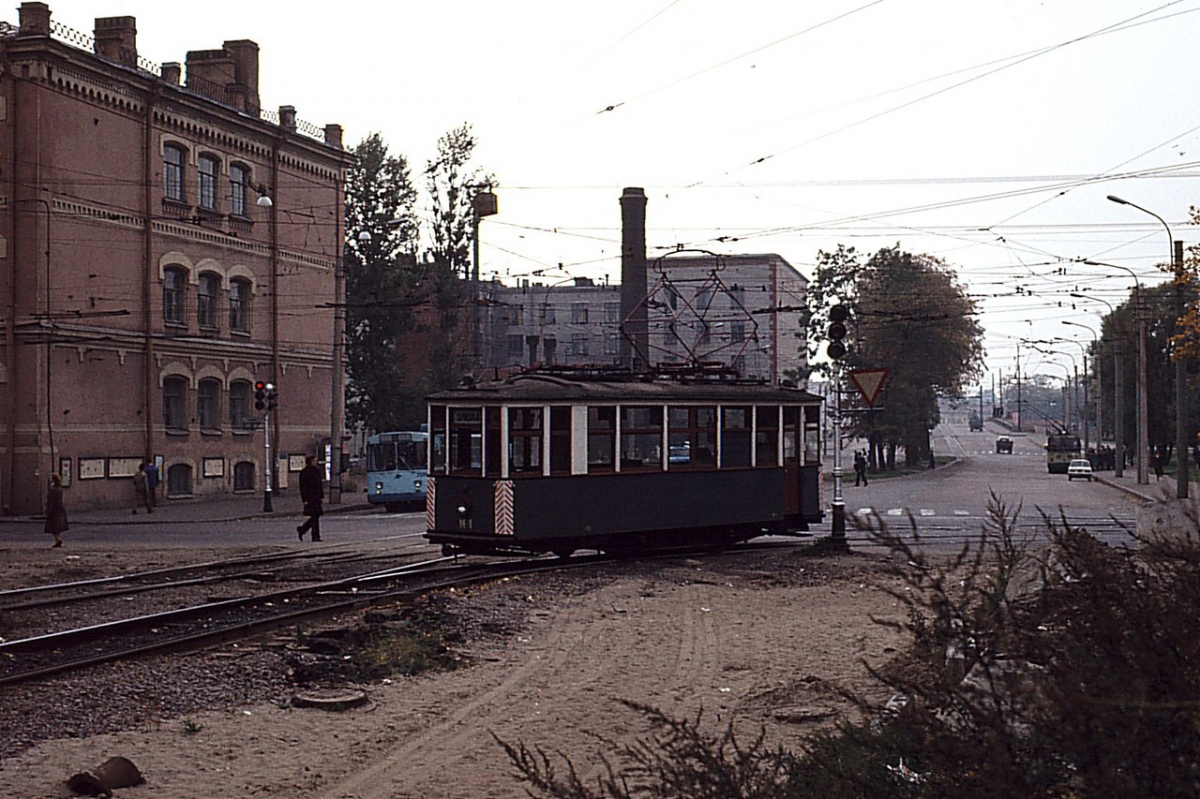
x: 56, y: 511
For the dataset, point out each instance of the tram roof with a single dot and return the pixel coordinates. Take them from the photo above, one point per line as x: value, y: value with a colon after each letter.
x: 541, y: 387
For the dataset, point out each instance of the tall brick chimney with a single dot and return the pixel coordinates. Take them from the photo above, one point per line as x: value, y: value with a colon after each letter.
x: 34, y: 19
x: 633, y: 280
x: 116, y: 39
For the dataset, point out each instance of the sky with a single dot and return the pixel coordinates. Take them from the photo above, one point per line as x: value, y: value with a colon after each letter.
x: 985, y: 134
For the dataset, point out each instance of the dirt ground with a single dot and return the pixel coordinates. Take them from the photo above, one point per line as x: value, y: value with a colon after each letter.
x: 759, y: 641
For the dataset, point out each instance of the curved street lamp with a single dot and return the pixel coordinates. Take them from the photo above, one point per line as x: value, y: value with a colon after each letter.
x: 1175, y: 258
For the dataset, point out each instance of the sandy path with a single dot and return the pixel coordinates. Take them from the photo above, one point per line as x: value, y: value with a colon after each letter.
x: 687, y: 638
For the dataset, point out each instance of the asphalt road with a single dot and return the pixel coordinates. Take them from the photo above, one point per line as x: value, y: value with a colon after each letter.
x: 950, y: 503
x: 947, y: 505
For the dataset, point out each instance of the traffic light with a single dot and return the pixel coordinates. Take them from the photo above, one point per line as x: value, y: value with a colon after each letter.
x: 260, y: 396
x: 838, y: 314
x: 272, y: 397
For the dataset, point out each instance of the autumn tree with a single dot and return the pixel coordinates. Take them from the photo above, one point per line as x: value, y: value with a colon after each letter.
x: 910, y: 315
x: 380, y: 252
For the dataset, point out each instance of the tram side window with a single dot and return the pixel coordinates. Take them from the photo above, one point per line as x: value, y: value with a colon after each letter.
x: 601, y: 432
x: 560, y: 440
x: 491, y: 441
x: 812, y: 435
x: 437, y: 439
x: 692, y: 437
x: 735, y: 437
x: 641, y: 437
x: 525, y: 441
x: 766, y: 436
x: 791, y: 434
x: 466, y: 440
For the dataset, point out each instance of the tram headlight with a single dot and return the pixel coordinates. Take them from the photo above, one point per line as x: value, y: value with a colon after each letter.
x: 462, y: 510
x: 379, y: 488
x: 417, y: 484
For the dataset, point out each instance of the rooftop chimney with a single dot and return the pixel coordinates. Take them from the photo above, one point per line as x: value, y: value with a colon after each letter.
x: 116, y: 39
x: 34, y: 19
x: 635, y: 343
x: 228, y: 75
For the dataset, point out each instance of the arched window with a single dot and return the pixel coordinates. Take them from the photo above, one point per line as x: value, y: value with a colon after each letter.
x: 207, y: 169
x: 174, y: 158
x: 243, y: 476
x: 239, y: 305
x: 174, y: 281
x: 208, y: 405
x: 206, y: 299
x: 174, y: 393
x: 179, y: 480
x: 239, y: 177
x: 239, y: 404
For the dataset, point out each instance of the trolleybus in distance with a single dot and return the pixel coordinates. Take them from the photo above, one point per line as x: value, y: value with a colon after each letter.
x: 396, y: 469
x: 552, y: 461
x: 1061, y: 449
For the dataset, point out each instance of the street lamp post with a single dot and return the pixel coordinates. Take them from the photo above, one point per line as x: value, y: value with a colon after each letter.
x: 1097, y: 360
x: 1143, y: 429
x: 1175, y: 258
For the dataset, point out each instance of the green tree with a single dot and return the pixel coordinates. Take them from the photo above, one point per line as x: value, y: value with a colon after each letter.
x: 380, y: 288
x: 910, y: 315
x: 452, y: 185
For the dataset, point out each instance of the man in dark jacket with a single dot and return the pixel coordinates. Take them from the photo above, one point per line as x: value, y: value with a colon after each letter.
x: 312, y: 494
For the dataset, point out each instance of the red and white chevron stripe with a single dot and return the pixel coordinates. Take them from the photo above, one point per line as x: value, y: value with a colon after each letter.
x: 430, y: 493
x: 503, y: 507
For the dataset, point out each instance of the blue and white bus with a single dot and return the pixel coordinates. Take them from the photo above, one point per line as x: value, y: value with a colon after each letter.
x: 397, y: 469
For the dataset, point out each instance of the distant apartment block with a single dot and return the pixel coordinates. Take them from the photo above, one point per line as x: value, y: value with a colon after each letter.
x: 742, y: 311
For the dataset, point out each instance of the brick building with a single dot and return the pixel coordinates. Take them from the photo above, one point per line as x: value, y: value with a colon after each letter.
x: 741, y: 311
x: 145, y: 282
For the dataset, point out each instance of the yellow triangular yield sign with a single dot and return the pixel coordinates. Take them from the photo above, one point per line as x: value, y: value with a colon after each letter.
x: 868, y: 382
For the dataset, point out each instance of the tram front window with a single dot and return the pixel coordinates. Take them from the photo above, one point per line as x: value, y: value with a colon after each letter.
x: 466, y: 440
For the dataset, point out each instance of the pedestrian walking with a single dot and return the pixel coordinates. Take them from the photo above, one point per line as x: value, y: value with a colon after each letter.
x: 312, y: 494
x: 1158, y: 464
x: 139, y: 488
x: 56, y: 511
x: 860, y: 468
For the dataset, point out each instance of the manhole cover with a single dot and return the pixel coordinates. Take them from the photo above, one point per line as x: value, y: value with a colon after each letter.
x: 330, y: 698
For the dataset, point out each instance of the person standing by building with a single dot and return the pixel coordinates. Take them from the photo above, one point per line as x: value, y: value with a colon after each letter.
x: 151, y: 486
x: 312, y: 494
x: 139, y: 488
x: 56, y: 510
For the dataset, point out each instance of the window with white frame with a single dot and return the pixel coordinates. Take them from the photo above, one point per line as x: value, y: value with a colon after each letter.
x: 174, y: 159
x: 174, y: 284
x: 207, y: 169
x: 174, y: 394
x: 239, y: 177
x: 239, y: 404
x: 612, y: 312
x: 239, y: 305
x: 208, y: 404
x: 206, y: 300
x: 579, y: 313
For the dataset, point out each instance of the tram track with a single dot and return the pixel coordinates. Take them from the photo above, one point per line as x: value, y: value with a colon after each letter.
x: 209, y: 624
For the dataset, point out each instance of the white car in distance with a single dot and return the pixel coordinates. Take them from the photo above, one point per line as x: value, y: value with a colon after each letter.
x: 1080, y: 467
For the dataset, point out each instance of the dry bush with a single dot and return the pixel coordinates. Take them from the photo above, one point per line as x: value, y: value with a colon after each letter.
x: 1067, y: 669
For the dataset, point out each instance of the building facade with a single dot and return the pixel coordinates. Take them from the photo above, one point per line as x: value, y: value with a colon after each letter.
x: 164, y: 245
x: 743, y: 312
